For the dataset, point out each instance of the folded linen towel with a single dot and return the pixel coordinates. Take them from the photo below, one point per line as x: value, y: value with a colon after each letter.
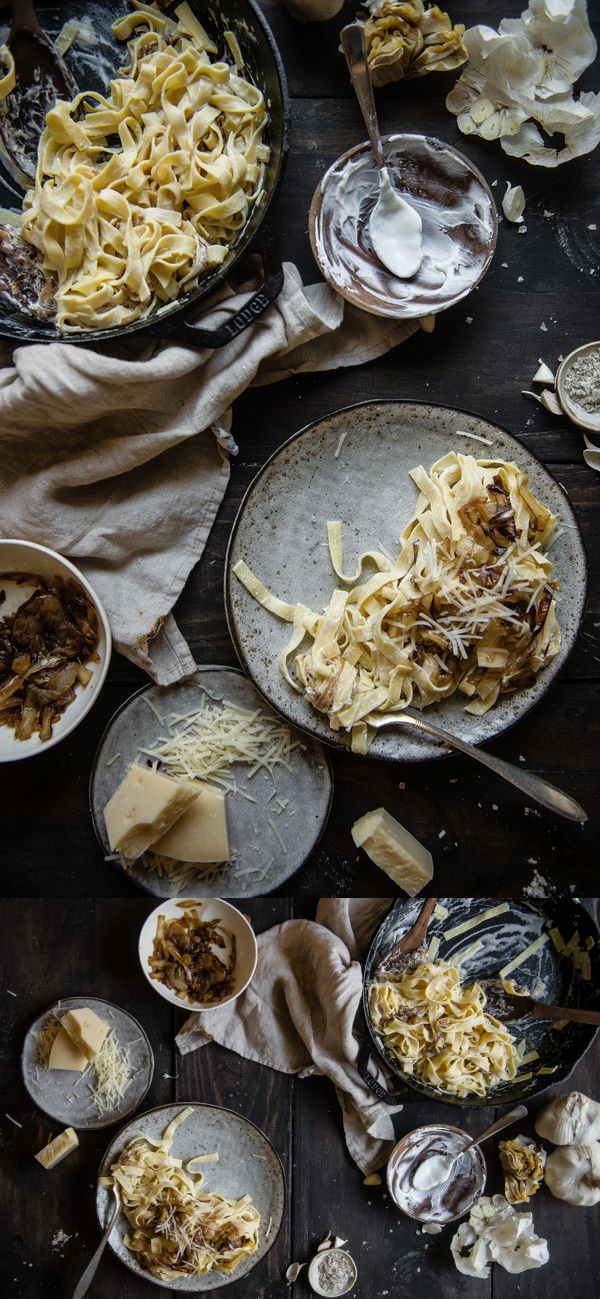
x: 298, y: 1014
x: 118, y: 457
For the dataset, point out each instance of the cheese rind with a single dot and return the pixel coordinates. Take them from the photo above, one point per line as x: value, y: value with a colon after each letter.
x: 57, y: 1149
x: 390, y: 846
x: 86, y: 1030
x: 200, y: 833
x: 65, y: 1054
x: 143, y: 807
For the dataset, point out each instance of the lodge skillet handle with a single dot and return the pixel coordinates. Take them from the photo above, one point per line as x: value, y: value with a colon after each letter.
x: 364, y: 1057
x: 572, y: 1013
x: 180, y: 329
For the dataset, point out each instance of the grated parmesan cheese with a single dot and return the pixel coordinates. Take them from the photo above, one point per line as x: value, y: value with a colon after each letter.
x: 206, y: 743
x: 112, y: 1073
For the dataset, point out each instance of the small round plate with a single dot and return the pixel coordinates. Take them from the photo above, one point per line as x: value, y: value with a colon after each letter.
x: 65, y: 1095
x: 458, y: 213
x: 578, y: 414
x: 248, y: 1165
x: 280, y: 532
x: 306, y: 786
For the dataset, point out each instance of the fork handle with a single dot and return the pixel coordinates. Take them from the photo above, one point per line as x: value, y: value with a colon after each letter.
x: 565, y: 1012
x: 85, y: 1281
x: 535, y: 787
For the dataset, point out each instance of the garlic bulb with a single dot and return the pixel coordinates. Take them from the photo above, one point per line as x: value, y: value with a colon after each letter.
x: 570, y: 1120
x: 572, y: 1173
x: 313, y: 11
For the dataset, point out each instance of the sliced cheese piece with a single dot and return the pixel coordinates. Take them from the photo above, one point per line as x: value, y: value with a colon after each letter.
x: 143, y: 807
x: 65, y: 1055
x: 394, y: 849
x: 200, y: 833
x: 58, y: 1149
x: 524, y: 956
x: 86, y: 1030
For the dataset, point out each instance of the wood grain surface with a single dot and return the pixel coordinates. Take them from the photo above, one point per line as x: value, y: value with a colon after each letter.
x: 52, y: 948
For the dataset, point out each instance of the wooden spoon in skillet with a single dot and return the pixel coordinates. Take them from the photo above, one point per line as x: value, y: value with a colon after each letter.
x: 409, y: 950
x: 41, y: 77
x: 509, y: 1006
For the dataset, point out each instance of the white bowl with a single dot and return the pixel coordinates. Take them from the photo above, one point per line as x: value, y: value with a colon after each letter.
x: 208, y: 909
x: 28, y: 557
x: 314, y: 1266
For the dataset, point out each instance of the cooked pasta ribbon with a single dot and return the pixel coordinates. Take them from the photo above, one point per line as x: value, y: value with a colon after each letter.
x: 140, y: 192
x: 468, y: 604
x: 438, y: 1031
x: 175, y: 1228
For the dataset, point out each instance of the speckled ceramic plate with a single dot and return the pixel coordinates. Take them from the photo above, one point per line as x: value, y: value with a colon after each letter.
x: 248, y: 1165
x: 548, y: 976
x: 280, y: 531
x: 261, y: 864
x: 65, y: 1095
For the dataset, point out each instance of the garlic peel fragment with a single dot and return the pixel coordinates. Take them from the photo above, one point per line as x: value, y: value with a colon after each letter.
x: 294, y: 1271
x: 513, y: 203
x: 543, y: 374
x: 406, y: 38
x: 495, y: 1233
x: 591, y: 454
x: 523, y: 1163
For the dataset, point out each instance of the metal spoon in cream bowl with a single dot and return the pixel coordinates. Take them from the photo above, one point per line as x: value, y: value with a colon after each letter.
x: 395, y: 227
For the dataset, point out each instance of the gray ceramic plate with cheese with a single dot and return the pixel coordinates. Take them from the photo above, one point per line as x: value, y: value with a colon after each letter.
x: 248, y: 1165
x: 274, y: 822
x: 280, y: 532
x: 66, y: 1095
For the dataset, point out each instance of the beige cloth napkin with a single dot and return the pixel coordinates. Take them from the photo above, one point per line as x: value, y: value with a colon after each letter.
x: 298, y: 1015
x: 119, y: 458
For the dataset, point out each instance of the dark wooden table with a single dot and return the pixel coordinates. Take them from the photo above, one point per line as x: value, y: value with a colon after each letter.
x: 547, y: 277
x: 51, y: 949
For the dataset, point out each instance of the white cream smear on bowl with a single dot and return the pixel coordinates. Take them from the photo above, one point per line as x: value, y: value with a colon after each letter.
x: 457, y: 216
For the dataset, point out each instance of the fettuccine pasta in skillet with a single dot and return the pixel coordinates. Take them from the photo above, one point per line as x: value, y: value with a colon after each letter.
x: 140, y: 192
x: 438, y: 1031
x: 177, y: 1229
x: 468, y: 604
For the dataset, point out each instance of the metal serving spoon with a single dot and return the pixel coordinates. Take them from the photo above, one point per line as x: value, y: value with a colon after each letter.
x: 42, y: 77
x: 395, y: 227
x: 442, y: 1165
x: 85, y: 1282
x: 509, y: 1006
x: 534, y: 786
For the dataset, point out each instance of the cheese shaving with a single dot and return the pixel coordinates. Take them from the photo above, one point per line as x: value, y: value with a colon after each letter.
x: 468, y: 604
x: 206, y: 743
x: 524, y: 955
x: 466, y: 925
x: 111, y: 1073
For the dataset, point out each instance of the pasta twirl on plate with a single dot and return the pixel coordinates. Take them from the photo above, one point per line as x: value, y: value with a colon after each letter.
x: 176, y: 1228
x: 140, y: 192
x: 468, y: 604
x: 437, y: 1030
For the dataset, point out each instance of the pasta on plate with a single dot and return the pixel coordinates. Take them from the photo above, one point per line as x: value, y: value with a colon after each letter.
x: 176, y: 1229
x: 467, y: 605
x: 437, y: 1030
x: 141, y: 191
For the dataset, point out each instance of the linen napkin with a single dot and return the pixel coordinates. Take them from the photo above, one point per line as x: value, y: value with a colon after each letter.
x: 298, y: 1015
x: 119, y: 457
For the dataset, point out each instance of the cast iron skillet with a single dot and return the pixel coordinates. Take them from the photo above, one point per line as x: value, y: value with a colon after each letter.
x: 93, y: 66
x: 503, y: 938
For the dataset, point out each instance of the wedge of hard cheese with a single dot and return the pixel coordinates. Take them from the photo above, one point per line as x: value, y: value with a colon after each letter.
x: 86, y: 1030
x: 65, y: 1055
x: 143, y: 807
x: 200, y: 833
x: 394, y: 849
x: 58, y: 1149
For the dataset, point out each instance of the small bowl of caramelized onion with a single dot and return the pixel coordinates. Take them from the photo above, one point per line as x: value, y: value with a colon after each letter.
x: 55, y: 645
x: 198, y: 953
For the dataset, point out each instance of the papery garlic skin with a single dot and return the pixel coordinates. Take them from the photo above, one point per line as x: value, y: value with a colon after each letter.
x: 513, y: 203
x: 495, y: 1233
x: 570, y: 1120
x: 572, y: 1173
x: 526, y: 71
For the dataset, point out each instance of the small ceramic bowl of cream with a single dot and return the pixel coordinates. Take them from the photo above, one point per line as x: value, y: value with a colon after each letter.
x: 458, y: 226
x: 418, y: 1179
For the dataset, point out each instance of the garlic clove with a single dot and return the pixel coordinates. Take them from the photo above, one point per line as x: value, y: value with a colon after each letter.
x: 549, y: 399
x: 491, y: 128
x: 326, y: 1243
x: 372, y: 1180
x: 543, y: 374
x: 466, y: 124
x: 338, y: 1243
x: 513, y: 203
x: 481, y: 110
x: 294, y: 1271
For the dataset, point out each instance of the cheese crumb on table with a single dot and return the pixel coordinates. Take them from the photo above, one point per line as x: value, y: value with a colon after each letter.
x: 393, y: 848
